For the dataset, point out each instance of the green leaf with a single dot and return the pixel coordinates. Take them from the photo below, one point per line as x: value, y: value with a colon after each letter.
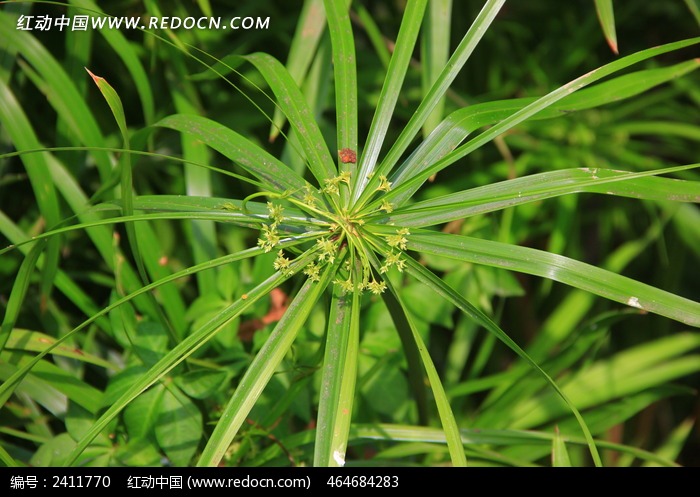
x: 78, y: 421
x: 141, y: 415
x: 273, y: 173
x: 409, y: 179
x: 447, y: 419
x: 53, y: 452
x: 18, y: 294
x: 408, y: 33
x: 338, y: 380
x: 294, y: 105
x: 307, y: 35
x: 127, y: 192
x: 150, y: 342
x: 121, y: 382
x: 202, y: 383
x: 560, y: 456
x: 41, y: 392
x: 139, y: 452
x: 14, y: 379
x: 35, y: 341
x: 629, y: 372
x: 436, y: 92
x: 198, y: 179
x: 60, y: 91
x: 345, y: 71
x: 17, y: 125
x: 65, y: 382
x: 604, y: 418
x: 444, y: 290
x: 129, y: 57
x: 7, y: 459
x: 185, y: 348
x: 178, y: 426
x: 676, y: 441
x: 694, y: 9
x: 262, y: 368
x: 373, y: 32
x: 558, y: 268
x: 606, y: 16
x: 426, y: 309
x: 538, y: 187
x: 435, y: 50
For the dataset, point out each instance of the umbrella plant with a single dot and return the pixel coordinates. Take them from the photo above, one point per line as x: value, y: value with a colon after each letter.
x: 303, y: 323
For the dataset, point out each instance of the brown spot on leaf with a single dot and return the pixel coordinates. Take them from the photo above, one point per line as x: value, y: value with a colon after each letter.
x: 347, y: 156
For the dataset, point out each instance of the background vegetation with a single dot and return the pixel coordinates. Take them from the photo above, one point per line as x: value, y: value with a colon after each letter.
x: 633, y: 374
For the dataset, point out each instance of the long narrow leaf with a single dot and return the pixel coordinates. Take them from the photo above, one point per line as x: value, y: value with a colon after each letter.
x: 19, y: 292
x: 558, y: 268
x: 439, y: 87
x: 444, y: 290
x: 129, y: 57
x: 406, y: 40
x: 449, y: 423
x: 127, y: 196
x: 294, y: 105
x: 177, y: 355
x: 61, y: 91
x: 435, y: 50
x: 417, y: 177
x: 344, y: 68
x: 18, y: 127
x: 606, y: 16
x: 309, y: 29
x: 262, y: 368
x: 537, y: 187
x: 273, y: 173
x: 338, y: 380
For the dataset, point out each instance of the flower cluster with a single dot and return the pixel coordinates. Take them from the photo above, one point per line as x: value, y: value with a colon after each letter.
x: 344, y: 229
x: 270, y: 236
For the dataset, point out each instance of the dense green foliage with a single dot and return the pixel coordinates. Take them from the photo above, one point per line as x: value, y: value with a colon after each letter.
x: 407, y: 233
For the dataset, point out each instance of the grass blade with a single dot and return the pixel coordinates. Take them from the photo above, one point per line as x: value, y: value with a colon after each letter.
x: 345, y: 72
x: 435, y: 50
x: 294, y: 105
x: 629, y: 372
x: 32, y: 341
x: 449, y: 423
x: 444, y: 290
x: 306, y: 38
x: 560, y: 456
x: 22, y: 135
x: 18, y: 293
x: 606, y: 16
x: 127, y: 196
x: 417, y: 178
x: 558, y: 268
x: 672, y: 447
x: 461, y: 123
x: 338, y: 380
x: 262, y: 369
x: 128, y: 56
x: 438, y: 89
x: 60, y: 91
x: 364, y: 17
x: 272, y: 172
x: 406, y: 40
x: 694, y: 9
x: 537, y: 187
x: 176, y: 356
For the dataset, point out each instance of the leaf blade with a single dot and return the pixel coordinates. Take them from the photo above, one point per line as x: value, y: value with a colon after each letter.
x: 568, y: 271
